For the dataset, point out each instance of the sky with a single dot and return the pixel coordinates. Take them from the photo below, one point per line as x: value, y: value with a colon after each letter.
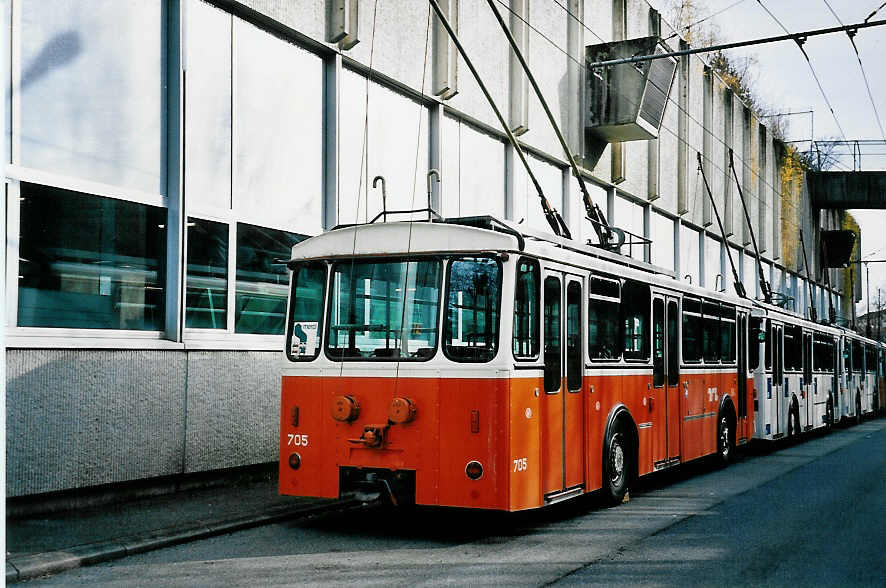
x: 784, y: 82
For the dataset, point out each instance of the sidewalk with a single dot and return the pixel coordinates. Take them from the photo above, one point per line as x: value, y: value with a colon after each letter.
x: 49, y: 543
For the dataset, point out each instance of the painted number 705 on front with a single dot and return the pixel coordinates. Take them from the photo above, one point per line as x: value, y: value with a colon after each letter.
x: 520, y: 464
x: 298, y: 440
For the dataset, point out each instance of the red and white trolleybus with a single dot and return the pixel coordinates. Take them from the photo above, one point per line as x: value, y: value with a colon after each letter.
x: 473, y: 363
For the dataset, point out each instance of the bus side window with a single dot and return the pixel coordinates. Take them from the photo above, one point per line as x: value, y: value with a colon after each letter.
x: 691, y: 330
x: 526, y: 290
x: 306, y: 312
x: 756, y: 326
x: 727, y: 333
x: 604, y: 335
x: 711, y: 332
x: 635, y: 301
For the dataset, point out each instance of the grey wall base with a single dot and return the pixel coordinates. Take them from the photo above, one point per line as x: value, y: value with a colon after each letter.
x: 78, y: 418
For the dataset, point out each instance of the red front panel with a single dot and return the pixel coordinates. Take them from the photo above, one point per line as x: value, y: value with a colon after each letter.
x: 437, y: 444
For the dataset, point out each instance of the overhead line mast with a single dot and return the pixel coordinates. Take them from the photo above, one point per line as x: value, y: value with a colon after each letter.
x: 558, y: 225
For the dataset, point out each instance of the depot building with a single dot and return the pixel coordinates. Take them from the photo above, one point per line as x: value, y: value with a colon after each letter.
x: 163, y: 156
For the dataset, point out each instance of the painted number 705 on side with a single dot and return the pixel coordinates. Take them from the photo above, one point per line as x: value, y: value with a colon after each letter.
x: 520, y: 464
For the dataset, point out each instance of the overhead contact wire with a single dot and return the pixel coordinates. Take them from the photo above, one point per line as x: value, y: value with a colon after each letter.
x: 864, y: 75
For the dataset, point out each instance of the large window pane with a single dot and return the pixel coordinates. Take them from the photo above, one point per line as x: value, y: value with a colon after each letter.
x: 206, y: 296
x: 208, y: 107
x: 396, y: 148
x: 472, y: 309
x: 384, y: 310
x: 713, y: 271
x: 90, y: 262
x: 600, y: 197
x: 278, y: 130
x: 689, y: 255
x: 662, y: 241
x: 629, y: 217
x: 91, y: 91
x: 261, y: 278
x: 527, y: 207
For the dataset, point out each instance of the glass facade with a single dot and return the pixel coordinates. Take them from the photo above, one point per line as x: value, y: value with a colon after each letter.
x: 262, y: 278
x: 91, y: 112
x: 90, y: 262
x: 206, y: 296
x: 91, y: 91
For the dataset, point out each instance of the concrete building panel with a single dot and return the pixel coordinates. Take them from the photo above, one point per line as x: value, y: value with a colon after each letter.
x: 233, y: 408
x: 78, y: 418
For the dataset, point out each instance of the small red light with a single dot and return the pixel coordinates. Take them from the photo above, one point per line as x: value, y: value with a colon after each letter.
x: 474, y: 470
x: 294, y: 460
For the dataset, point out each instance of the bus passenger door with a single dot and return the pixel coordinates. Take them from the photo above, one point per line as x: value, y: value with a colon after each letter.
x: 743, y: 429
x: 552, y: 395
x: 562, y: 435
x: 665, y: 379
x: 573, y: 421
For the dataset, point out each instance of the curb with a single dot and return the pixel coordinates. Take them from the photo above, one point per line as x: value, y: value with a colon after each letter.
x: 25, y: 567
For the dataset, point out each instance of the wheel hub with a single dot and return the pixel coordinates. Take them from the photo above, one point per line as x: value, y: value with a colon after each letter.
x: 618, y: 459
x: 724, y: 437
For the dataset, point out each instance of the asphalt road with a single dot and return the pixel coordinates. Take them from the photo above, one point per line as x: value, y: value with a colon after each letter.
x: 811, y: 514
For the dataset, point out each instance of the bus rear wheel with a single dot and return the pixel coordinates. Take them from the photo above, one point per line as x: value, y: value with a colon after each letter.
x: 725, y: 440
x: 617, y: 465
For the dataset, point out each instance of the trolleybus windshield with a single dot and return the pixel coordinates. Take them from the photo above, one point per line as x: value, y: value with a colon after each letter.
x: 383, y: 310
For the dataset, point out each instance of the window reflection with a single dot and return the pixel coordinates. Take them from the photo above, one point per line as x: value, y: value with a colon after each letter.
x: 262, y: 278
x: 206, y: 294
x: 90, y: 262
x: 384, y: 310
x: 472, y: 311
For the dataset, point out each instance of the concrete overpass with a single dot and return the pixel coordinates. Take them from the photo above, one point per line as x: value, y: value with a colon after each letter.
x: 843, y: 189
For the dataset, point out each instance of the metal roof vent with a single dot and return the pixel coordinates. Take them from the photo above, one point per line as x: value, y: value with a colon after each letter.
x: 626, y: 102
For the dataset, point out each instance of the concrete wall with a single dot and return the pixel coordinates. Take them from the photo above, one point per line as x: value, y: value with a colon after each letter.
x: 77, y: 418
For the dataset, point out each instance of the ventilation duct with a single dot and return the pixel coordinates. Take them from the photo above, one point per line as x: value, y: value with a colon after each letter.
x: 626, y: 102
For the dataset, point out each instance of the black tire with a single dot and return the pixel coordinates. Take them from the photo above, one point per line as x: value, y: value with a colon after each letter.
x: 617, y: 463
x: 725, y: 439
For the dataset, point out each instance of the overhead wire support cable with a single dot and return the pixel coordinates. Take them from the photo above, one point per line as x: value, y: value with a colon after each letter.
x: 736, y: 281
x: 558, y: 225
x: 864, y: 75
x: 764, y: 285
x: 879, y: 8
x: 762, y: 41
x: 593, y: 212
x: 800, y: 40
x: 670, y: 100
